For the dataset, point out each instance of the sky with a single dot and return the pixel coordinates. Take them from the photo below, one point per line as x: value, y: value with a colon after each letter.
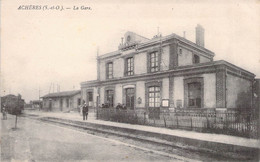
x: 41, y: 49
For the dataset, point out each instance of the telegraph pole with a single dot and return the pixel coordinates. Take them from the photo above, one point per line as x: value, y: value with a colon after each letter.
x: 16, y: 111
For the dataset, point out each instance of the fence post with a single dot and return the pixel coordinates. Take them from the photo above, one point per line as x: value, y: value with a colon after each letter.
x: 215, y: 120
x: 191, y: 122
x: 177, y: 120
x: 144, y: 117
x: 207, y: 119
x: 153, y: 118
x: 226, y: 121
x: 97, y: 113
x: 248, y: 123
x: 164, y: 120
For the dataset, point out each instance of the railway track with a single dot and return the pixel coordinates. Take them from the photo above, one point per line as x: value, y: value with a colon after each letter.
x: 182, y: 152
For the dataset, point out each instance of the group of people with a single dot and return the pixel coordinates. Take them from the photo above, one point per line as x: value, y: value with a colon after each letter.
x: 120, y: 107
x: 85, y: 109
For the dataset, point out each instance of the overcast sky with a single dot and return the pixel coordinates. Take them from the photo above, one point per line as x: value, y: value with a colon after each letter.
x: 39, y: 48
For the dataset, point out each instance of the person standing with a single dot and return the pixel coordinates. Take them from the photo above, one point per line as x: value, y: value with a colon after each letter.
x: 4, y: 113
x: 85, y: 111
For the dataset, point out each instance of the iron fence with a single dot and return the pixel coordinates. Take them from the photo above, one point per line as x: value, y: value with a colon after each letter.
x: 231, y: 122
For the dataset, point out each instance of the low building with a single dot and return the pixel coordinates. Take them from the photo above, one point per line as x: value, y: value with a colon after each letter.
x: 167, y: 72
x: 36, y: 104
x: 62, y: 101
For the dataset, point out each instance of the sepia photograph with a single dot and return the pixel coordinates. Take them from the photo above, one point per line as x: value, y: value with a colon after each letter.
x: 97, y: 80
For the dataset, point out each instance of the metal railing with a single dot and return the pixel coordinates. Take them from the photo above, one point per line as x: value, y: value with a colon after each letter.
x: 231, y: 122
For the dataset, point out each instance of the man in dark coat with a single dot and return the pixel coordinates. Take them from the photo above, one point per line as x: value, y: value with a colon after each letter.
x: 85, y: 111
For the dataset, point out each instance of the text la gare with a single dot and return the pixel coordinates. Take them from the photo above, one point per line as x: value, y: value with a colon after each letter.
x: 81, y: 8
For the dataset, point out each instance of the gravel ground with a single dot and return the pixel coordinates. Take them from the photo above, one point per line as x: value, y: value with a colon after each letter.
x: 38, y: 141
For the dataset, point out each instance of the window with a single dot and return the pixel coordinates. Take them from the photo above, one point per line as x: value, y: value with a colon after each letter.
x: 194, y: 94
x: 67, y: 102
x: 154, y: 62
x: 180, y: 51
x: 154, y: 96
x: 128, y: 38
x: 109, y: 70
x: 196, y: 59
x: 90, y: 96
x: 130, y: 66
x: 110, y: 98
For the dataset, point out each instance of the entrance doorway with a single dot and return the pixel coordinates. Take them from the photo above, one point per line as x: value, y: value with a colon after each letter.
x: 154, y: 100
x: 50, y: 105
x: 110, y: 98
x: 130, y: 98
x: 61, y: 104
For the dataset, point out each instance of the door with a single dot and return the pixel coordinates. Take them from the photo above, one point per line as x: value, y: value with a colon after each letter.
x: 110, y: 98
x: 130, y: 98
x: 61, y: 104
x: 50, y: 105
x: 154, y: 101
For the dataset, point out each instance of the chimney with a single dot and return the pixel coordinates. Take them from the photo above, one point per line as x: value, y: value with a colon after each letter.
x: 200, y: 35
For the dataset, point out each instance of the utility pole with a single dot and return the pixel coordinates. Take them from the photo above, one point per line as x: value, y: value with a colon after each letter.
x: 16, y: 110
x: 50, y: 88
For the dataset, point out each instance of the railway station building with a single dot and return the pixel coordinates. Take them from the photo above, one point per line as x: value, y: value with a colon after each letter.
x: 167, y: 72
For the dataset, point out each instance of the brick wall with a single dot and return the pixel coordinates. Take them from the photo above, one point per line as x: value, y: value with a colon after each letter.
x: 221, y: 88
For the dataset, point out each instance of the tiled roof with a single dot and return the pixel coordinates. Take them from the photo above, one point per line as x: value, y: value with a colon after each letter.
x: 61, y: 94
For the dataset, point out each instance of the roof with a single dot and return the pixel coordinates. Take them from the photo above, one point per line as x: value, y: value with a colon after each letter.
x: 61, y: 94
x: 9, y: 96
x: 158, y: 40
